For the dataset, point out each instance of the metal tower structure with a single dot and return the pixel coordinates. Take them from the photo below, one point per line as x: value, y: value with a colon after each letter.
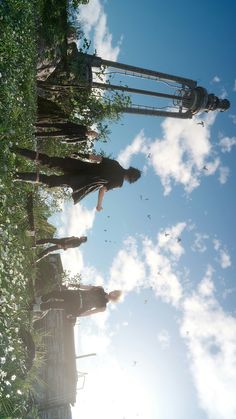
x: 185, y: 98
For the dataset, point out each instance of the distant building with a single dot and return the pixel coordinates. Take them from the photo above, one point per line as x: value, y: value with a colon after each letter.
x: 55, y: 390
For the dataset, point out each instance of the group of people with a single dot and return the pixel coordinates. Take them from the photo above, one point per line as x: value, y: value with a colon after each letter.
x: 84, y: 174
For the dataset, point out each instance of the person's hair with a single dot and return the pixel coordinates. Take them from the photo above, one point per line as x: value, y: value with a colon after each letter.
x: 84, y: 239
x: 133, y: 174
x: 115, y: 295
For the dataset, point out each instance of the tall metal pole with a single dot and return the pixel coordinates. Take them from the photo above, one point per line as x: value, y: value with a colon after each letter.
x: 99, y: 62
x: 192, y: 100
x: 108, y: 86
x: 85, y: 356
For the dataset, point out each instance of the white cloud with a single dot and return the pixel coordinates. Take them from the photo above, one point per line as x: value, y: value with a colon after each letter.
x: 216, y: 244
x: 94, y: 18
x: 225, y: 261
x: 224, y: 174
x: 210, y: 335
x: 72, y: 261
x: 180, y: 155
x: 170, y: 241
x: 127, y: 271
x: 223, y: 255
x: 216, y: 79
x: 137, y: 146
x: 224, y: 93
x: 227, y: 143
x: 143, y: 263
x: 89, y: 15
x: 164, y: 338
x: 103, y: 40
x: 76, y: 220
x: 206, y: 286
x: 162, y: 277
x: 209, y: 332
x: 199, y: 243
x: 233, y: 117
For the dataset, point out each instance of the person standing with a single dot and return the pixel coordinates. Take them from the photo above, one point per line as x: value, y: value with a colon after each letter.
x: 58, y: 244
x: 100, y: 173
x: 85, y: 301
x: 70, y: 132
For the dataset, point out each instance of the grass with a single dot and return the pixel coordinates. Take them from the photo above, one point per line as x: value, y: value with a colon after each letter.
x: 21, y: 21
x: 18, y: 57
x: 17, y: 115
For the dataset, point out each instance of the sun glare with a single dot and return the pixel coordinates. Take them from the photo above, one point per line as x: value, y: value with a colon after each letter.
x: 114, y: 392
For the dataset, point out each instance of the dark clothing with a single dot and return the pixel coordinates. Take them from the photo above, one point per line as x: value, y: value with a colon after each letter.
x: 71, y: 131
x: 63, y: 243
x: 108, y: 173
x: 76, y: 302
x: 47, y: 251
x: 83, y: 177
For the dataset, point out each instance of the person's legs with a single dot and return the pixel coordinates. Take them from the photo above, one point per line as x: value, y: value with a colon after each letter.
x: 67, y: 164
x: 46, y: 252
x: 51, y: 181
x: 32, y: 177
x: 49, y: 134
x: 59, y: 295
x: 52, y: 162
x: 49, y: 240
x: 57, y: 305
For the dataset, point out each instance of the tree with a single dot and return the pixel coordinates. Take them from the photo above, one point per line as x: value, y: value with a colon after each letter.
x: 66, y: 91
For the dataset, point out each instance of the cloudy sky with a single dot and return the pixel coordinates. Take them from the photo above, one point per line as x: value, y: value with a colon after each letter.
x: 168, y: 349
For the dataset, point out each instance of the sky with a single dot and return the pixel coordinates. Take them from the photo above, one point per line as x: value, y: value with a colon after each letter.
x: 168, y: 349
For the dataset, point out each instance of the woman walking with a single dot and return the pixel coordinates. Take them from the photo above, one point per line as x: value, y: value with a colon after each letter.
x: 99, y: 173
x: 58, y: 244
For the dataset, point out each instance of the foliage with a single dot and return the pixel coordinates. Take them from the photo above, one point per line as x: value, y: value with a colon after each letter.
x: 17, y: 67
x: 69, y: 280
x: 17, y: 112
x: 15, y: 293
x: 17, y: 116
x: 52, y: 24
x: 87, y: 106
x: 77, y: 3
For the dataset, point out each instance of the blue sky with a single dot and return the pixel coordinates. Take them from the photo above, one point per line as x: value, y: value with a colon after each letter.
x: 168, y: 349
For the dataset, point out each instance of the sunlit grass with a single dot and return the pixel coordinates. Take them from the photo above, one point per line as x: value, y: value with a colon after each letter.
x: 17, y: 116
x: 21, y: 23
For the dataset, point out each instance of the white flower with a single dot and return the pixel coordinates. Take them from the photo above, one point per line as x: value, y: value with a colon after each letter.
x: 3, y: 374
x: 13, y: 377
